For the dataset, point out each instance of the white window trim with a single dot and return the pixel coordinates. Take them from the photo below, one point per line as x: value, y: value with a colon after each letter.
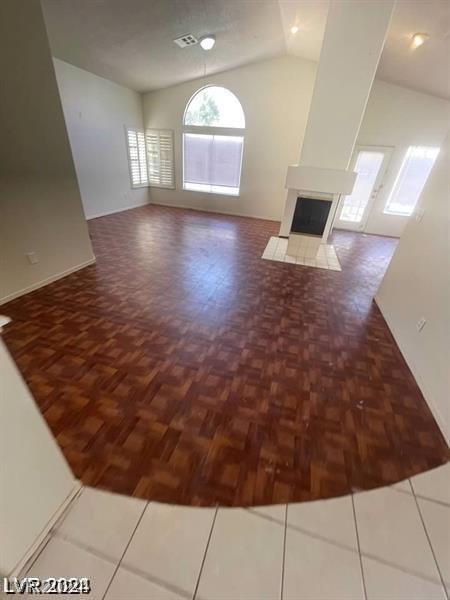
x: 393, y: 213
x: 206, y: 130
x: 144, y: 133
x: 211, y: 130
x: 400, y: 174
x: 188, y: 187
x: 205, y: 87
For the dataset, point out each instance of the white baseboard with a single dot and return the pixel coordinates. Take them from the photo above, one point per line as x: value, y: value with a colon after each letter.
x: 44, y: 282
x: 31, y: 554
x: 117, y: 210
x: 216, y: 212
x: 419, y: 380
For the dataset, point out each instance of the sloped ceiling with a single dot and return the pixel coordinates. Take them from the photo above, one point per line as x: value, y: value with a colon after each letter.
x: 131, y: 41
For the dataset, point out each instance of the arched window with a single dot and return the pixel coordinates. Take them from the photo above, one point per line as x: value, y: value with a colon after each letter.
x: 213, y: 141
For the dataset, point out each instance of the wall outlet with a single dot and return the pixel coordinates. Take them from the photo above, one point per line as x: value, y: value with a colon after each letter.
x: 421, y: 323
x: 32, y: 258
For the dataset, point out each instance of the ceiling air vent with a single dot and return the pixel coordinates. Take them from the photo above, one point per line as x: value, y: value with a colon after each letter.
x: 186, y: 40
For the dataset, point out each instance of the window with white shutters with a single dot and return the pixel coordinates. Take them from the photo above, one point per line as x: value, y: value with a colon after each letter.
x: 150, y: 157
x: 160, y: 158
x: 137, y: 157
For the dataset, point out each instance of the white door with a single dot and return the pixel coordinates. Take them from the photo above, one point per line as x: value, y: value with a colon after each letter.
x: 370, y: 162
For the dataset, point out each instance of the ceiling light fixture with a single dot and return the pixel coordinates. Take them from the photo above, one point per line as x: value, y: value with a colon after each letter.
x: 294, y: 29
x: 418, y: 39
x: 207, y: 42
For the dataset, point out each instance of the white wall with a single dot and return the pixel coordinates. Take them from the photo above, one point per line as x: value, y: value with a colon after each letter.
x: 275, y: 96
x: 416, y: 285
x: 35, y: 480
x: 399, y: 118
x: 40, y: 204
x: 96, y: 112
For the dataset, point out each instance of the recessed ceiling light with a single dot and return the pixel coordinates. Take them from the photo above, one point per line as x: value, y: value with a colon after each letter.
x: 418, y: 39
x: 207, y: 42
x: 294, y: 29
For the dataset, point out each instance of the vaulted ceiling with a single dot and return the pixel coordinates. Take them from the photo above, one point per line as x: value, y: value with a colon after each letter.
x: 131, y: 41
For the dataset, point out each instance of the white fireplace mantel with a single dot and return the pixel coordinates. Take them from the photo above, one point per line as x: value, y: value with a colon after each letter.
x: 320, y: 180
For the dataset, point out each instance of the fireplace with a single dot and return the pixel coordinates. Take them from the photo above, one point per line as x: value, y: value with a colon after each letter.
x: 310, y: 216
x: 313, y: 193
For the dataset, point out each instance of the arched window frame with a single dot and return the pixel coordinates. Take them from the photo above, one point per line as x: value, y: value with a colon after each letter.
x: 215, y: 131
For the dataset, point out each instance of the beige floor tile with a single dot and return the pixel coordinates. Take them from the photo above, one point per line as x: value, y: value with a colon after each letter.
x: 61, y: 558
x: 129, y: 586
x: 384, y: 582
x: 332, y: 519
x: 244, y: 558
x: 102, y: 521
x: 318, y: 570
x: 437, y: 522
x: 433, y: 484
x: 170, y: 543
x: 390, y: 528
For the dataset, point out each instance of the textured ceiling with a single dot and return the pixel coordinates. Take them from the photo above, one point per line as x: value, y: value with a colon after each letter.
x: 130, y: 41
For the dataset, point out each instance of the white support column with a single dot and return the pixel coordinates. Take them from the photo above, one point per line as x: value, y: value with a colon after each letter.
x: 353, y: 42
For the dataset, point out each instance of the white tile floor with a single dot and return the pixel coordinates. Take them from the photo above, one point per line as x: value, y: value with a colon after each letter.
x: 307, y: 255
x: 386, y: 544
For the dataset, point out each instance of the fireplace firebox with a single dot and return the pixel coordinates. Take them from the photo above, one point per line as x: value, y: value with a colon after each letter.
x: 310, y: 216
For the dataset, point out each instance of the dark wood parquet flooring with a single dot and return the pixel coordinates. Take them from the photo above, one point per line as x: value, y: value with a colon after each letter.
x: 183, y: 368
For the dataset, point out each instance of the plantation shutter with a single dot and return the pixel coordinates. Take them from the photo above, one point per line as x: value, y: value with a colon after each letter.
x: 160, y: 159
x: 137, y: 157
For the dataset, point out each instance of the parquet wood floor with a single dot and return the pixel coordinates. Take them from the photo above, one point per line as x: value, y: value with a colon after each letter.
x: 183, y: 368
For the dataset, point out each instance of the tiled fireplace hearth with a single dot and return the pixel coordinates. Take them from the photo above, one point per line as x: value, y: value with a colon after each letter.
x: 313, y: 194
x: 302, y: 252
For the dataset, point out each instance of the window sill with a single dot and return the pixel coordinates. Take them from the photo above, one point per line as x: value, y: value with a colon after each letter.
x: 216, y: 192
x: 162, y: 187
x: 395, y: 214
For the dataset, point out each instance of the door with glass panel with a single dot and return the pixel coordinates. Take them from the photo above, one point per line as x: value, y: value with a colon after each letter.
x: 370, y: 164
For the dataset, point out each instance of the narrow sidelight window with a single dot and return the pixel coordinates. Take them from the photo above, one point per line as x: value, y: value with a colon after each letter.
x: 411, y: 179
